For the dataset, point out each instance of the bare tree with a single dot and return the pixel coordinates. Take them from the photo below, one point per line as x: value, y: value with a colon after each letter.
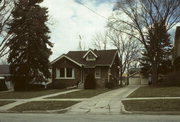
x: 100, y: 41
x: 136, y: 18
x: 128, y: 49
x: 6, y: 7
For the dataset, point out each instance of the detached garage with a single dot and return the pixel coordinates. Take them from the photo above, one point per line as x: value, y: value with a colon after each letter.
x: 136, y: 78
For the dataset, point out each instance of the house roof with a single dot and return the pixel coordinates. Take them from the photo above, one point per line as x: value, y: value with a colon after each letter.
x: 104, y: 57
x: 4, y: 70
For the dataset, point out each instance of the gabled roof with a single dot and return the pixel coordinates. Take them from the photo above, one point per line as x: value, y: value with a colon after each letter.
x: 90, y: 51
x: 64, y: 56
x: 105, y: 57
x: 4, y: 70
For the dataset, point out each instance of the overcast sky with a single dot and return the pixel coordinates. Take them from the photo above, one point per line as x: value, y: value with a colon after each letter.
x: 70, y: 19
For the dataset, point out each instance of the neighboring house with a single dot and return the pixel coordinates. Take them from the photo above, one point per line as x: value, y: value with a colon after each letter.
x: 136, y: 78
x: 177, y: 43
x: 5, y: 77
x: 72, y: 68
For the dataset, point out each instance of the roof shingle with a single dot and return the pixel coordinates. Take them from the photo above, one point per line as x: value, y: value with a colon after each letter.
x: 105, y: 57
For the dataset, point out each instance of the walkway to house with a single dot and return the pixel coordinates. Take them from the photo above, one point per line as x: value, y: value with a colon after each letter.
x: 106, y: 103
x: 41, y: 98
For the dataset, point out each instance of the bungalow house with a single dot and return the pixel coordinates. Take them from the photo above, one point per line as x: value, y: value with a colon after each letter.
x: 5, y: 82
x: 72, y: 68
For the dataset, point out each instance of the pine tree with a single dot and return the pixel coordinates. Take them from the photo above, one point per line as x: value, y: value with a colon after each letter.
x: 156, y: 56
x: 30, y: 47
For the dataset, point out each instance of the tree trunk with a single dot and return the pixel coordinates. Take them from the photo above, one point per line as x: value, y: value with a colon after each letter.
x: 154, y: 72
x: 121, y: 78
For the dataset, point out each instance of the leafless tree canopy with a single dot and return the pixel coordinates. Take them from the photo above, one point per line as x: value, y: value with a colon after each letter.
x: 134, y: 17
x: 100, y: 41
x: 6, y: 7
x: 129, y: 49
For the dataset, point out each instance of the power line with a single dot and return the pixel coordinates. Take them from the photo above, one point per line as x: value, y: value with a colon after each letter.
x: 93, y: 11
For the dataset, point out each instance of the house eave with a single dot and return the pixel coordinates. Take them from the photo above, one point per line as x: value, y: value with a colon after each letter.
x: 64, y: 56
x: 91, y: 52
x: 114, y: 58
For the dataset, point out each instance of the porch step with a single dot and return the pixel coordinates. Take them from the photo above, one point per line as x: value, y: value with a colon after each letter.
x: 81, y: 86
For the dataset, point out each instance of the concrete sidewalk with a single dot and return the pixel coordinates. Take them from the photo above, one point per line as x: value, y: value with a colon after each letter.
x: 106, y: 103
x: 41, y: 98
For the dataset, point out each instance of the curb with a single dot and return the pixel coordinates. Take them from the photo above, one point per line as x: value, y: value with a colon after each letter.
x: 63, y: 111
x: 124, y: 111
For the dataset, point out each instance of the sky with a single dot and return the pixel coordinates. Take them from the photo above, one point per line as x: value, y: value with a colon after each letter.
x: 69, y: 20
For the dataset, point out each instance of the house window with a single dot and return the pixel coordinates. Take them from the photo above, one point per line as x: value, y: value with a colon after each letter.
x: 65, y: 73
x: 62, y: 72
x: 69, y: 72
x: 90, y: 57
x: 98, y: 73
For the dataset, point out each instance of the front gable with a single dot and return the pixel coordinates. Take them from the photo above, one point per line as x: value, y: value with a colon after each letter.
x: 65, y: 57
x: 90, y: 56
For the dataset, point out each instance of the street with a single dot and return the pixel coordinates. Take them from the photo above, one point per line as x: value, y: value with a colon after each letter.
x: 10, y: 117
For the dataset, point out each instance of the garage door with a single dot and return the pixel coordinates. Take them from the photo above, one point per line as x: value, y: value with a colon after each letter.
x: 135, y: 81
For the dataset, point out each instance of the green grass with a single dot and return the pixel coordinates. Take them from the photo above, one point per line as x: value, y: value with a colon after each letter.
x: 43, y: 106
x: 27, y: 94
x: 156, y: 92
x: 5, y: 102
x: 152, y: 105
x: 81, y: 94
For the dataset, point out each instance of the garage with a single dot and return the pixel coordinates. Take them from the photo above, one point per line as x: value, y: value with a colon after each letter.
x: 136, y: 78
x: 134, y: 81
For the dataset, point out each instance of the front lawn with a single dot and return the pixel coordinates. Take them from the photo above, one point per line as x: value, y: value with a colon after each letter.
x: 43, y: 105
x: 81, y: 94
x: 27, y: 94
x: 156, y: 92
x: 152, y: 105
x: 5, y: 102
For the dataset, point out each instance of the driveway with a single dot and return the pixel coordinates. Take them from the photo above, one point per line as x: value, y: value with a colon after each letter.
x: 106, y: 103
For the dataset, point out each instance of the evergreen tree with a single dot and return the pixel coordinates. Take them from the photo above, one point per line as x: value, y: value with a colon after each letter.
x: 30, y: 47
x: 159, y: 49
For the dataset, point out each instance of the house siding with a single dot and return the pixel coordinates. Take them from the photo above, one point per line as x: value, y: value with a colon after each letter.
x: 63, y: 83
x: 104, y: 77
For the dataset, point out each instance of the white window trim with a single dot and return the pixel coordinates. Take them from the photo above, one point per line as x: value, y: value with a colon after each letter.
x: 90, y: 51
x: 65, y: 75
x: 98, y: 77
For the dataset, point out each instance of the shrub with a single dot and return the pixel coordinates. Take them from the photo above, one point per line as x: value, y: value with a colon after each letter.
x: 3, y: 86
x: 90, y: 82
x: 172, y: 79
x: 20, y: 84
x: 58, y: 85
